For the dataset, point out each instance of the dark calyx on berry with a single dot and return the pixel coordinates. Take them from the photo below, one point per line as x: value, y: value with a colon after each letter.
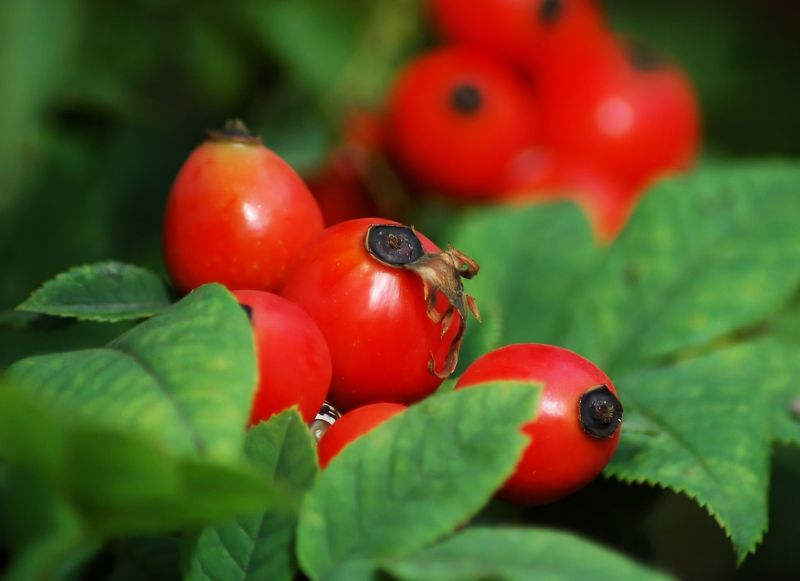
x: 234, y: 131
x: 248, y: 311
x: 440, y: 272
x: 394, y: 245
x: 466, y: 99
x: 550, y: 11
x: 600, y: 412
x: 643, y: 57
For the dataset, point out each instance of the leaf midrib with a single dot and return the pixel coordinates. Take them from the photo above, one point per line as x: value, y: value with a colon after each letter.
x: 182, y: 416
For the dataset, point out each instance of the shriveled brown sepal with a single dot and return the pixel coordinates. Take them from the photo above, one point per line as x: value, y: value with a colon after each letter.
x: 442, y: 271
x: 234, y: 131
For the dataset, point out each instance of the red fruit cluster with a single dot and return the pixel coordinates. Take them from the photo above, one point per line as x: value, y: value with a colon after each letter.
x: 528, y: 100
x: 369, y: 310
x: 369, y: 315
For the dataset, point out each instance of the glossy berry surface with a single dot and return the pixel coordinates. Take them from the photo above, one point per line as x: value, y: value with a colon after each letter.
x: 522, y: 31
x: 294, y: 363
x: 374, y: 317
x: 352, y: 426
x: 578, y: 425
x: 238, y: 215
x: 628, y: 112
x: 456, y: 117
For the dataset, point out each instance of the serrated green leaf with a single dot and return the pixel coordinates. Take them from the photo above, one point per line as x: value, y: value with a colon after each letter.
x: 510, y: 554
x: 532, y: 263
x: 119, y: 484
x: 703, y: 256
x: 707, y: 435
x: 260, y: 546
x: 184, y: 378
x: 414, y: 478
x: 105, y: 291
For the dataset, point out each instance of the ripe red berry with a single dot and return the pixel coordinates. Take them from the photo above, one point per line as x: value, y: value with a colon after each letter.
x: 294, y: 363
x: 523, y: 31
x: 352, y: 426
x: 578, y: 425
x: 543, y: 175
x: 626, y: 111
x: 237, y: 214
x: 456, y: 117
x: 340, y: 191
x: 391, y: 306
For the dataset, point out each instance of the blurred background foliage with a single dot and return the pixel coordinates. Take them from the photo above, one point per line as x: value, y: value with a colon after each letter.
x: 100, y: 103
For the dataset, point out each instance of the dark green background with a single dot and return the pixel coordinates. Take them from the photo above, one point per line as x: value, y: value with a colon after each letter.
x: 100, y: 102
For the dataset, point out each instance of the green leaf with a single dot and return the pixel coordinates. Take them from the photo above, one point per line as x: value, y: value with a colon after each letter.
x: 700, y: 428
x: 260, y: 546
x: 104, y: 291
x: 184, y: 378
x: 532, y: 263
x: 777, y: 366
x: 414, y: 478
x: 703, y: 256
x: 118, y: 484
x: 517, y: 554
x: 786, y: 325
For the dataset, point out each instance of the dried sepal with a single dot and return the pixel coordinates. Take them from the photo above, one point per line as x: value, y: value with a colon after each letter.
x: 440, y: 272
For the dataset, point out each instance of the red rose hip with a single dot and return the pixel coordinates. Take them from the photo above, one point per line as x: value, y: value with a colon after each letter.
x: 456, y: 118
x: 352, y: 426
x: 237, y: 215
x: 294, y: 363
x: 391, y: 306
x: 578, y: 425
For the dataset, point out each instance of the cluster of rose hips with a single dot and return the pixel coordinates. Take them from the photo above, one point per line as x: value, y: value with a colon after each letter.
x: 364, y: 317
x: 531, y: 99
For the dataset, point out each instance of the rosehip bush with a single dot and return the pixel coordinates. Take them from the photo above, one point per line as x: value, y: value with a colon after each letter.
x: 411, y: 362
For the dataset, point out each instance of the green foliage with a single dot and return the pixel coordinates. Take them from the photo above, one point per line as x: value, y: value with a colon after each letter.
x: 706, y: 260
x: 82, y: 483
x: 31, y: 72
x: 516, y: 555
x: 345, y: 53
x: 698, y: 427
x: 532, y: 263
x: 693, y: 311
x: 260, y: 546
x: 184, y: 378
x: 414, y: 478
x: 703, y: 256
x: 106, y: 291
